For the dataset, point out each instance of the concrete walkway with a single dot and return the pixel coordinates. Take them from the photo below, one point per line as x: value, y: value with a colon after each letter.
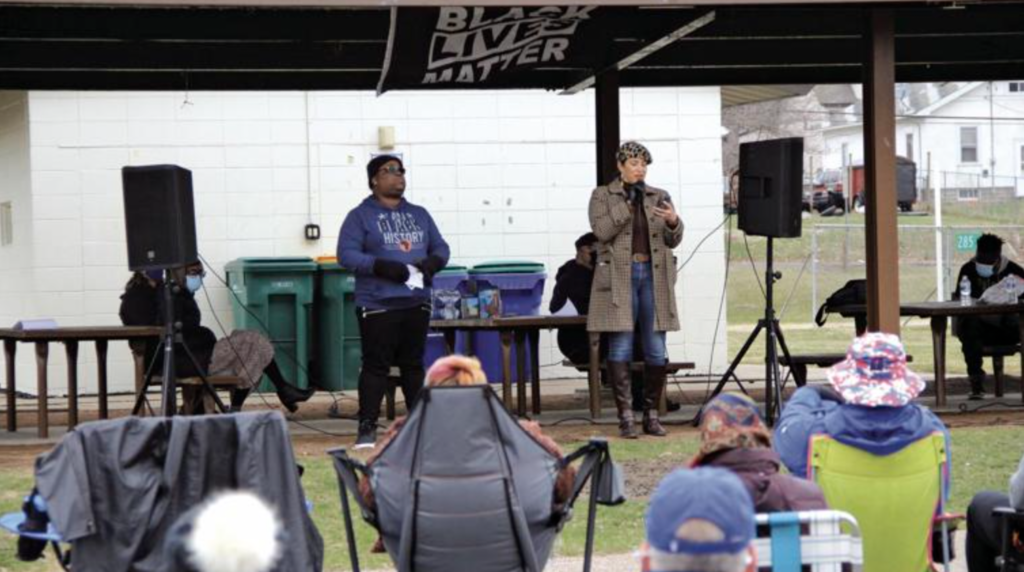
x: 630, y: 562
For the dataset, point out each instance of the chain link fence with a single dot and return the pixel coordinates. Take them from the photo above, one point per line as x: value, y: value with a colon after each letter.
x: 930, y: 258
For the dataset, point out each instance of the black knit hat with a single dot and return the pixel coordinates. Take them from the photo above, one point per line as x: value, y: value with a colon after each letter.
x: 586, y: 240
x: 376, y: 163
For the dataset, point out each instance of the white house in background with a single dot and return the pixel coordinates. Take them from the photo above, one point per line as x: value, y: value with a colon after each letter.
x: 974, y: 134
x: 507, y: 175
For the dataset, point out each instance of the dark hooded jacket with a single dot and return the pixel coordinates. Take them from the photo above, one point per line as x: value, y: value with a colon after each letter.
x: 877, y: 430
x: 771, y: 490
x: 1005, y: 267
x: 143, y: 305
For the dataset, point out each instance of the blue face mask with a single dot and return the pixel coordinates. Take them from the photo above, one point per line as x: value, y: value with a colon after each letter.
x: 193, y: 283
x: 985, y: 270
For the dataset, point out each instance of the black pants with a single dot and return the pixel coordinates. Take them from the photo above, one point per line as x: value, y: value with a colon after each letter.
x: 390, y: 338
x: 984, y: 534
x: 978, y: 331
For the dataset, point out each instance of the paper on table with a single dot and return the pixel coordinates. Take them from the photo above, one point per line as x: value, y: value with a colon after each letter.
x: 1007, y: 291
x: 415, y: 278
x: 36, y: 324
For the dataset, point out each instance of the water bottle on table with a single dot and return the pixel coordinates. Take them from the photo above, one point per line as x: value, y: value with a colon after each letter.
x: 1009, y: 290
x: 965, y: 291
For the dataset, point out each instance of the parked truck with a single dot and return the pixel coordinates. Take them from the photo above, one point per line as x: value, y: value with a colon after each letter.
x: 906, y: 185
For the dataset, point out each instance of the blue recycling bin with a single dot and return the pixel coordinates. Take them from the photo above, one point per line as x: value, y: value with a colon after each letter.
x: 451, y: 278
x: 522, y: 289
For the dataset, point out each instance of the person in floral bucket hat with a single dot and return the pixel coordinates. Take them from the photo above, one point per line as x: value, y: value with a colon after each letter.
x: 868, y: 404
x: 733, y: 437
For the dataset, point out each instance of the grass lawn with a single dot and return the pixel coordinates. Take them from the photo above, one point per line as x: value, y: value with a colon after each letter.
x: 917, y: 337
x: 983, y: 459
x: 841, y: 255
x: 841, y: 258
x: 978, y: 216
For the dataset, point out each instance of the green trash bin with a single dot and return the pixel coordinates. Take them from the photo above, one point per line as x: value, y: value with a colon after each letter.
x: 339, y: 354
x: 275, y: 296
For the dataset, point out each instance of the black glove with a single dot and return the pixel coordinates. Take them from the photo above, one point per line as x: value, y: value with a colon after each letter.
x: 430, y: 266
x: 390, y: 270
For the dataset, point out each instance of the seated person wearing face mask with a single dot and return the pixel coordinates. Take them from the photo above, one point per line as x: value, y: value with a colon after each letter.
x: 245, y: 354
x: 572, y: 285
x: 986, y: 269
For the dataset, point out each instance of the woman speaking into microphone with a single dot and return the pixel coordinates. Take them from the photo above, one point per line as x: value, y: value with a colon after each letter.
x: 634, y: 281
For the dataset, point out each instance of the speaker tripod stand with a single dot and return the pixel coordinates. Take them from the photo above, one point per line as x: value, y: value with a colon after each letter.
x: 773, y: 341
x: 171, y: 339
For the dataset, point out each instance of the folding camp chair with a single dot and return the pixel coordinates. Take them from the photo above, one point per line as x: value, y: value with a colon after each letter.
x: 1011, y: 523
x: 16, y: 523
x: 158, y: 469
x: 897, y: 499
x: 463, y: 487
x: 825, y: 540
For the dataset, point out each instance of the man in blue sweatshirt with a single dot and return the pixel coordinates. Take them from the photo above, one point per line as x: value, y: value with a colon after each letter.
x: 395, y: 249
x: 867, y: 405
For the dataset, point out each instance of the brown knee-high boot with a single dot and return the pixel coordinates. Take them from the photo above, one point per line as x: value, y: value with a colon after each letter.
x: 654, y: 384
x: 618, y: 374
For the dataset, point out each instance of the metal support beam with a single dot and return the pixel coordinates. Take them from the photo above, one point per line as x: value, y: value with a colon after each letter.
x: 644, y: 51
x: 883, y: 278
x: 606, y: 117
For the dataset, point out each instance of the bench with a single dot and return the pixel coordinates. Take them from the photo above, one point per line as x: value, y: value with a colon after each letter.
x: 998, y: 353
x: 194, y: 399
x: 671, y: 368
x: 798, y: 363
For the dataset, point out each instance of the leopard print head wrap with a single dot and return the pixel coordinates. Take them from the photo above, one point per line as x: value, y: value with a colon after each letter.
x: 631, y: 149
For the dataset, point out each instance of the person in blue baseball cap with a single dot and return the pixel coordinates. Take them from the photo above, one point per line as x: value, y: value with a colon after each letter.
x: 700, y: 520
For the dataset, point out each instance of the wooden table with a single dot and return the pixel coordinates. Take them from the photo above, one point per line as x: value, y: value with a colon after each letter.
x: 938, y: 313
x: 525, y: 330
x: 70, y: 337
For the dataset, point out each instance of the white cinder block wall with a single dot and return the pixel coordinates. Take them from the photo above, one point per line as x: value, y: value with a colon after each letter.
x: 15, y: 191
x: 507, y: 175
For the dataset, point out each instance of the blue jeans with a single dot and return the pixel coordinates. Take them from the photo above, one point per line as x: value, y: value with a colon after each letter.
x: 620, y: 344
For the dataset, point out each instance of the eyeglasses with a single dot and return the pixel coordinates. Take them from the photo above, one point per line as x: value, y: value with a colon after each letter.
x: 393, y: 170
x: 196, y: 272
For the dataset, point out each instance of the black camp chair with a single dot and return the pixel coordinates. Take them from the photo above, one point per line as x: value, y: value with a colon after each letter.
x: 152, y: 471
x: 463, y: 487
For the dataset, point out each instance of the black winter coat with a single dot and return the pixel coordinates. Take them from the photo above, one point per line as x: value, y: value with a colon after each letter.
x: 115, y: 488
x: 143, y: 305
x: 1005, y: 267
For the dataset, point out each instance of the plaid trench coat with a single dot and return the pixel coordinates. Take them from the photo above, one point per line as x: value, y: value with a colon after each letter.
x: 611, y: 300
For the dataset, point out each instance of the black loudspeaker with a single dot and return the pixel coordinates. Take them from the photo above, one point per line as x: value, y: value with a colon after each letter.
x: 159, y: 217
x: 771, y: 187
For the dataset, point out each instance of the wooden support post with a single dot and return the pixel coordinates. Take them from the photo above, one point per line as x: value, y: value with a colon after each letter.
x: 534, y: 337
x: 71, y: 349
x: 42, y: 390
x: 101, y: 377
x: 880, y: 173
x: 10, y: 351
x: 606, y: 115
x: 521, y: 372
x: 506, y: 337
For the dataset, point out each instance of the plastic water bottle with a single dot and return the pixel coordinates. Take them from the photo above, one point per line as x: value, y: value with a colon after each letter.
x: 1009, y: 291
x: 965, y: 291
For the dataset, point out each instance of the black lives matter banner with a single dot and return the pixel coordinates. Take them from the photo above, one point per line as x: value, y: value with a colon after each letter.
x: 459, y: 47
